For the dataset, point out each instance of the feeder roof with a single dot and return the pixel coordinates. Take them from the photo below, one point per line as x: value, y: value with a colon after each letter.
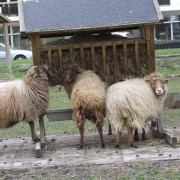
x: 4, y: 19
x: 68, y: 16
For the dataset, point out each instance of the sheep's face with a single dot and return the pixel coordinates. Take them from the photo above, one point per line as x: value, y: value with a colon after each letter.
x: 70, y: 72
x: 157, y: 84
x: 38, y: 72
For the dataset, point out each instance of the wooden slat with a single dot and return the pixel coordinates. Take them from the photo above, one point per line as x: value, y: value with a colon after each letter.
x: 82, y: 55
x: 149, y: 51
x: 114, y: 60
x: 93, y: 57
x: 152, y: 51
x: 125, y: 57
x: 49, y: 57
x: 104, y: 58
x: 71, y: 53
x: 95, y: 44
x: 60, y: 61
x: 137, y: 55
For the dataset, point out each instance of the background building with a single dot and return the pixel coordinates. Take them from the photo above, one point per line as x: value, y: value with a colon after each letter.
x: 167, y: 34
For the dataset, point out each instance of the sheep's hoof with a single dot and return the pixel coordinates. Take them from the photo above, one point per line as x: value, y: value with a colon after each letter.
x: 103, y: 145
x: 117, y: 146
x: 136, y: 138
x: 133, y: 146
x: 80, y: 147
x: 35, y: 139
x: 144, y: 138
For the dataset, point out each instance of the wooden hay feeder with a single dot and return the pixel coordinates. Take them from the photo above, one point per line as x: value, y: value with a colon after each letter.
x: 82, y: 32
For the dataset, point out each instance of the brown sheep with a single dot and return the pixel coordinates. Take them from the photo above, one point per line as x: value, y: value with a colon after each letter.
x: 25, y: 99
x: 87, y: 94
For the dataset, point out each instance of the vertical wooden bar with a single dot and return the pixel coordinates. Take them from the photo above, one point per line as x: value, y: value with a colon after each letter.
x: 149, y: 30
x: 114, y: 60
x: 49, y: 57
x: 42, y: 130
x: 82, y: 55
x: 152, y: 47
x: 93, y: 57
x: 36, y: 45
x: 60, y: 61
x: 71, y: 53
x: 104, y: 58
x: 125, y: 57
x: 137, y: 56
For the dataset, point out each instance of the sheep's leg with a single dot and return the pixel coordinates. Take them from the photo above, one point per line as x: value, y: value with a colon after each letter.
x: 118, y: 138
x: 144, y: 135
x: 81, y: 132
x: 136, y: 135
x: 99, y: 127
x: 33, y: 134
x: 130, y: 137
x: 110, y: 130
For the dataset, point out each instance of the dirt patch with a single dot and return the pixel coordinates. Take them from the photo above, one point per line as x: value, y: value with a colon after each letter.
x: 61, y: 160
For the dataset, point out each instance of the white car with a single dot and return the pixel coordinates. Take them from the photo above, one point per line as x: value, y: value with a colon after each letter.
x: 15, y: 54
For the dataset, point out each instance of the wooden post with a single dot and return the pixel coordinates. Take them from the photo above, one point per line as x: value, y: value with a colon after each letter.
x: 6, y: 40
x: 36, y: 44
x: 149, y: 30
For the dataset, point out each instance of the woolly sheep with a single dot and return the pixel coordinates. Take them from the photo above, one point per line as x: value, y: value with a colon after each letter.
x: 130, y: 103
x: 87, y: 94
x: 25, y: 99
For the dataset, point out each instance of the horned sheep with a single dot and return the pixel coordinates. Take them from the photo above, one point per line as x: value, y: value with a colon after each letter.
x: 87, y: 94
x: 25, y: 99
x: 132, y: 102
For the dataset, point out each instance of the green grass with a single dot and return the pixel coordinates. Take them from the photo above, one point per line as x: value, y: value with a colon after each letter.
x: 173, y: 51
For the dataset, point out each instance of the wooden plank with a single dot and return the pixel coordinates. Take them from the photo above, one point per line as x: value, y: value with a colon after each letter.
x: 49, y: 57
x: 60, y: 61
x: 171, y: 139
x: 125, y: 57
x: 36, y: 45
x: 82, y: 55
x: 104, y: 59
x: 152, y: 48
x: 60, y: 114
x: 114, y: 61
x: 93, y: 57
x: 137, y: 56
x: 157, y: 134
x: 71, y: 53
x: 42, y: 131
x: 38, y: 150
x: 149, y: 51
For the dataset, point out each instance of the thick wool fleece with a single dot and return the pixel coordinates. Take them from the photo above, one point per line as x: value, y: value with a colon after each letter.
x: 131, y: 103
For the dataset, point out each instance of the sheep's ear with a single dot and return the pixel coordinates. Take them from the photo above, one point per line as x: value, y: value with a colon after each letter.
x: 79, y: 70
x: 44, y: 66
x: 147, y: 78
x: 166, y: 80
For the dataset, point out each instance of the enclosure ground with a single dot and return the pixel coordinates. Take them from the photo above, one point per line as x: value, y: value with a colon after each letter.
x: 60, y: 158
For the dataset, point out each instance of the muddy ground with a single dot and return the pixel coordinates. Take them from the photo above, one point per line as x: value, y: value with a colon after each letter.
x: 153, y: 159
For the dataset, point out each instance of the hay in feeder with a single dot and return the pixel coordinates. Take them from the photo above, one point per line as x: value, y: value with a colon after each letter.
x: 114, y: 69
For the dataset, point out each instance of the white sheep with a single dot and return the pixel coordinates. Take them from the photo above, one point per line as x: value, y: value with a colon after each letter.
x: 25, y: 99
x: 87, y: 94
x: 132, y: 102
